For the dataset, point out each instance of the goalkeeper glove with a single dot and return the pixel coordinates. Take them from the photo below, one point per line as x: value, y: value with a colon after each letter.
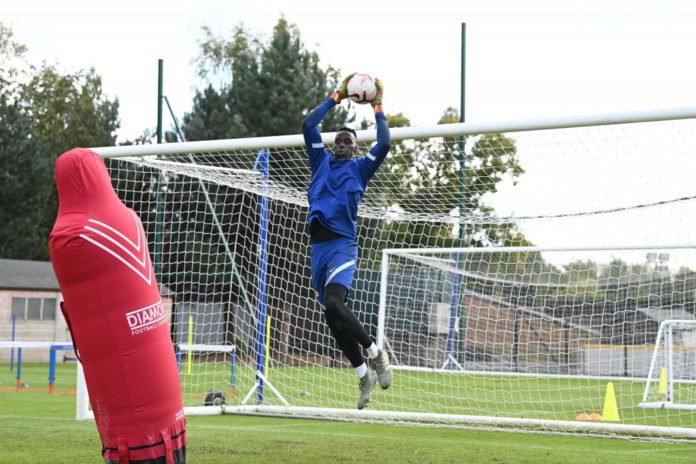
x: 377, y: 101
x: 342, y: 91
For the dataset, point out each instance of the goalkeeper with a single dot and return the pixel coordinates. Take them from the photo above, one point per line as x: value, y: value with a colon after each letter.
x: 336, y: 189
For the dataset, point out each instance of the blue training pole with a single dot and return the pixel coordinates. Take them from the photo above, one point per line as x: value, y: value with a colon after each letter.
x: 51, y: 370
x: 262, y: 165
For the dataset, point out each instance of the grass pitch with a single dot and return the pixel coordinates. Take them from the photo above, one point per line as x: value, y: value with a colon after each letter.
x: 36, y: 427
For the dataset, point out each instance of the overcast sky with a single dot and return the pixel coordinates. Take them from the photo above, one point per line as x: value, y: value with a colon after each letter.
x: 525, y: 59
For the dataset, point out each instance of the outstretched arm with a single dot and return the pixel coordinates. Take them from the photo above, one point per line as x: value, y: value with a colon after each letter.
x: 312, y: 137
x: 310, y: 125
x: 377, y: 153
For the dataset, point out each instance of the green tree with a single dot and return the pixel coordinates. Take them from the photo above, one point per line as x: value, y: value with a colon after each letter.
x: 397, y: 120
x: 211, y: 117
x: 617, y: 270
x: 71, y: 110
x: 67, y: 111
x: 43, y: 113
x: 261, y: 89
x: 12, y: 61
x: 685, y: 286
x: 580, y: 272
x: 422, y: 177
x: 22, y: 172
x: 18, y: 157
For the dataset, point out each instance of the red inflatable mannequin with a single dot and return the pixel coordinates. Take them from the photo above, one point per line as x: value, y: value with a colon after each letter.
x: 114, y: 311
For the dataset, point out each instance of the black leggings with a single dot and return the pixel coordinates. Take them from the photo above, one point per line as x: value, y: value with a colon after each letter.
x: 345, y: 327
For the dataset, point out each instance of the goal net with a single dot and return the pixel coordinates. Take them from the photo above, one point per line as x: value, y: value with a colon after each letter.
x: 528, y: 338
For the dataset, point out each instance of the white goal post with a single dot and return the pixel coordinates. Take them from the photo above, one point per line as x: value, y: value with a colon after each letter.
x: 505, y: 266
x: 671, y: 379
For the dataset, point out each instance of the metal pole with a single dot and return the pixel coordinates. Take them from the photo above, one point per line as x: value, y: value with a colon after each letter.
x: 159, y: 206
x: 462, y: 202
x: 262, y: 163
x: 462, y: 93
x: 160, y: 87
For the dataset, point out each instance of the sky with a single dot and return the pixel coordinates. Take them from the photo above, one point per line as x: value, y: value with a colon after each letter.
x: 524, y: 59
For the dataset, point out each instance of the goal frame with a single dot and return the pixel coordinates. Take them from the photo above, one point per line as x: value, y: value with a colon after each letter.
x: 665, y: 333
x: 388, y: 252
x: 532, y: 424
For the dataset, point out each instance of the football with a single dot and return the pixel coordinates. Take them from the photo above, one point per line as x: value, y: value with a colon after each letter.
x: 361, y: 88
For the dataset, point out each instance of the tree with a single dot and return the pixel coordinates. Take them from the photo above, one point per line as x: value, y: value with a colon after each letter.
x: 397, y: 120
x: 264, y: 88
x: 616, y: 271
x: 211, y: 117
x: 685, y: 286
x: 580, y: 272
x: 18, y: 158
x: 22, y: 173
x: 12, y: 61
x: 70, y: 110
x: 423, y: 177
x: 43, y: 114
x: 67, y: 111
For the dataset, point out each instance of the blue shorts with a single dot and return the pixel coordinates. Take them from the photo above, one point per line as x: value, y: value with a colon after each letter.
x: 333, y: 262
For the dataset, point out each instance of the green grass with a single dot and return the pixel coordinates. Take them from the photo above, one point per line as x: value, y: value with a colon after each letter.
x: 39, y: 428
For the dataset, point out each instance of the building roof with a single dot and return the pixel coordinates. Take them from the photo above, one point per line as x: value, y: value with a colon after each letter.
x: 17, y: 274
x: 27, y: 275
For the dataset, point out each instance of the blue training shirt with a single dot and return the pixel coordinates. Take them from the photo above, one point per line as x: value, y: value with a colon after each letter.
x: 337, y: 186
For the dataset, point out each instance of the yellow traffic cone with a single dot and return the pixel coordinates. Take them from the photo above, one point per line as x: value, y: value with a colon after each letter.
x: 662, y: 386
x: 611, y: 412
